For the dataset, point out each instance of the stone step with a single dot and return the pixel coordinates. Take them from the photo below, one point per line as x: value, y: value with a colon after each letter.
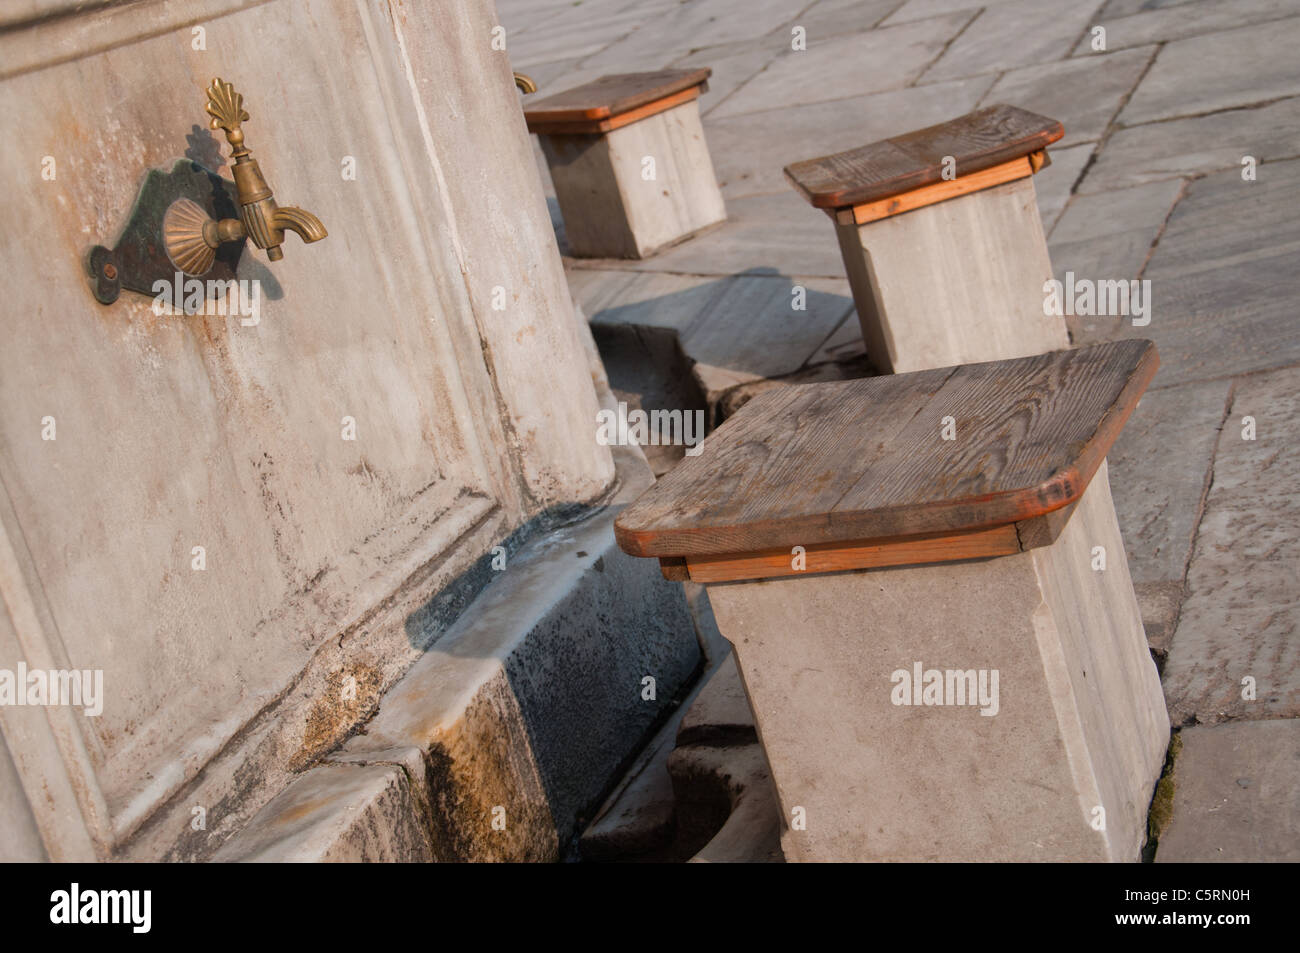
x: 523, y: 714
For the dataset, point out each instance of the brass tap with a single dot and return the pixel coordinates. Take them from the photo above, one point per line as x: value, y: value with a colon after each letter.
x: 525, y: 83
x: 191, y: 236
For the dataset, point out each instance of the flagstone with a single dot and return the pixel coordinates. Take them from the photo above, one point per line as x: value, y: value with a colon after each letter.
x: 733, y: 65
x: 749, y: 151
x: 924, y: 9
x: 1196, y: 145
x: 779, y: 231
x: 1084, y: 94
x: 684, y: 27
x: 1158, y: 470
x: 1236, y: 795
x: 1184, y: 20
x: 836, y: 17
x: 1010, y: 35
x: 1239, y: 630
x: 1108, y: 236
x: 1252, y: 64
x: 1055, y: 183
x: 846, y: 66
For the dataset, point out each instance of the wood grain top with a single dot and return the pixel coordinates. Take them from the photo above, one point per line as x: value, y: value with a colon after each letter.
x: 613, y: 95
x: 866, y: 460
x: 976, y: 141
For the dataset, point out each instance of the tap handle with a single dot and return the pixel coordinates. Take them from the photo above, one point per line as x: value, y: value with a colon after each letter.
x: 226, y: 107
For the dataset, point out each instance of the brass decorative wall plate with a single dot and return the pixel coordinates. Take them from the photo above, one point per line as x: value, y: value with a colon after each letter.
x: 192, y: 221
x: 140, y: 256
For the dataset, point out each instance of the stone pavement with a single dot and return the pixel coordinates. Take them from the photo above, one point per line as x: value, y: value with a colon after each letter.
x: 1179, y: 165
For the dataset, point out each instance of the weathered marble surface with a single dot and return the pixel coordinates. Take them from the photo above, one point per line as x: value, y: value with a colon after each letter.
x: 1017, y: 33
x: 1251, y: 64
x: 1084, y: 94
x: 1196, y: 145
x: 1237, y: 795
x: 1241, y: 616
x: 751, y: 149
x: 1153, y: 23
x: 842, y: 66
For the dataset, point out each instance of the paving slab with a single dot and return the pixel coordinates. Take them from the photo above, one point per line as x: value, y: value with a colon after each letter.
x: 1236, y: 796
x: 1084, y: 94
x: 1225, y: 220
x: 924, y: 9
x: 1223, y: 281
x: 745, y: 323
x: 1158, y: 469
x: 1241, y: 616
x: 1010, y: 35
x: 684, y: 27
x: 1252, y: 64
x: 519, y: 16
x: 838, y: 17
x: 1196, y: 145
x: 651, y: 299
x: 1123, y: 8
x: 754, y: 328
x: 749, y: 151
x: 579, y: 33
x: 733, y: 65
x: 779, y: 231
x: 1055, y: 184
x: 1108, y: 236
x: 846, y: 66
x: 845, y: 344
x: 1184, y: 20
x: 1234, y: 319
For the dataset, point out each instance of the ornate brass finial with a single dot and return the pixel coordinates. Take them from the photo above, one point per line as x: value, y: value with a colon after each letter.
x: 226, y: 107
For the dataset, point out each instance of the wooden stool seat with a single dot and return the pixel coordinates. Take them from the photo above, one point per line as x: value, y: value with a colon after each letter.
x: 616, y: 100
x: 858, y: 473
x: 941, y: 239
x: 915, y: 699
x: 882, y: 170
x: 627, y: 155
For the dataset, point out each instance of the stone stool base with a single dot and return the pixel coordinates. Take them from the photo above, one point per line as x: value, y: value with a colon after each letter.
x: 942, y: 240
x: 957, y: 282
x: 610, y: 209
x: 1080, y: 721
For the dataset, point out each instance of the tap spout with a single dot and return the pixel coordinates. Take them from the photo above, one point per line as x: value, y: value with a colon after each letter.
x: 307, y: 225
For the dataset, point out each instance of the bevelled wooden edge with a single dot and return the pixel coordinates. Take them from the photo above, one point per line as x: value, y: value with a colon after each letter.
x: 1004, y: 540
x: 597, y: 126
x: 1062, y: 489
x: 940, y: 192
x: 612, y: 95
x: 880, y: 170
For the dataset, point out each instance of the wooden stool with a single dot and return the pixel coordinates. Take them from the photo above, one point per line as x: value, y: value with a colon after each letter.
x: 944, y: 270
x: 630, y: 165
x: 939, y: 637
